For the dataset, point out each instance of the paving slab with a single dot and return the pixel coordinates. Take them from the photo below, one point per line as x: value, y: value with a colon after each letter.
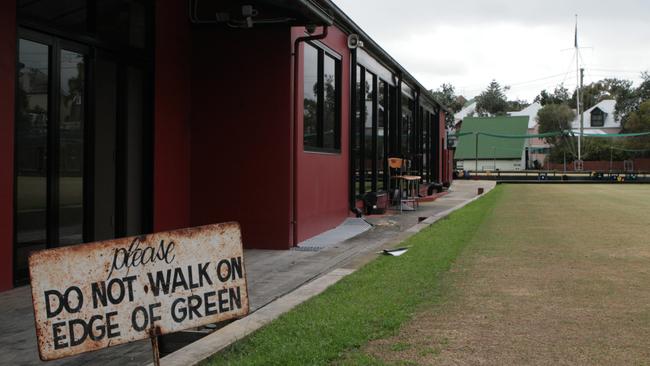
x: 271, y: 275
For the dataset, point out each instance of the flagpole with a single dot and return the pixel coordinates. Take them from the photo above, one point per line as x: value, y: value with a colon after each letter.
x: 578, y: 89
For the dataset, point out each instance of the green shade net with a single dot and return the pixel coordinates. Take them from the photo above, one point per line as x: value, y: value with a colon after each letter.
x: 539, y: 135
x: 556, y: 133
x: 629, y: 150
x: 605, y: 135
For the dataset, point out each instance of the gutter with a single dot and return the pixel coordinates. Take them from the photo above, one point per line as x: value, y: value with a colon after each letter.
x: 319, y: 12
x: 349, y: 26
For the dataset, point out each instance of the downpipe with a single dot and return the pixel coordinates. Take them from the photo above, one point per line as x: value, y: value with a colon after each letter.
x: 293, y: 158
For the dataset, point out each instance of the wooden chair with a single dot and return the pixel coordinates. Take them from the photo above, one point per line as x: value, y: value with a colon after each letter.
x: 396, y: 164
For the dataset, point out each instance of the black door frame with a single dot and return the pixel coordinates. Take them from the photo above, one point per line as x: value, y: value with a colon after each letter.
x: 57, y: 39
x: 55, y: 45
x: 358, y: 134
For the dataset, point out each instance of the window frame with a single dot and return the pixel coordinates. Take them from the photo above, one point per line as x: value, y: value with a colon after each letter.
x: 323, y: 52
x: 599, y: 113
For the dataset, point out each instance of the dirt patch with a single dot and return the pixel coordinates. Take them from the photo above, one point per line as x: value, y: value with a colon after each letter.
x: 558, y: 275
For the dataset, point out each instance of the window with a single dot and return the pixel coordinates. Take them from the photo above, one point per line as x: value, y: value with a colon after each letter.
x: 321, y: 98
x: 369, y: 131
x: 356, y: 136
x: 597, y: 118
x: 382, y: 111
x: 310, y: 94
x: 369, y: 145
x: 407, y: 126
x: 426, y: 158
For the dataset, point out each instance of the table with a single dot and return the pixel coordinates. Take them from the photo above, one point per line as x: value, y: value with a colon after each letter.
x: 412, y: 189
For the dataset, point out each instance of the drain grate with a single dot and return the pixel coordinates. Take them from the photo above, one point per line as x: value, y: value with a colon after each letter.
x: 306, y: 249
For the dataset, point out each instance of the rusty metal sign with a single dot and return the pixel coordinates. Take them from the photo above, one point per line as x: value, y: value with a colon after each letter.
x: 91, y: 296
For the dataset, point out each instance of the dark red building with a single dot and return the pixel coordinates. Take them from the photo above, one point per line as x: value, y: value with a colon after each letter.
x: 121, y: 117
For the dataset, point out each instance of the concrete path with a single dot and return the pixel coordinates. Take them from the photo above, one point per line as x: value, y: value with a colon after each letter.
x: 271, y: 275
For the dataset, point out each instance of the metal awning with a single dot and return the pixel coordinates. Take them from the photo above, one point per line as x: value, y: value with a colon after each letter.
x: 249, y: 13
x: 311, y: 12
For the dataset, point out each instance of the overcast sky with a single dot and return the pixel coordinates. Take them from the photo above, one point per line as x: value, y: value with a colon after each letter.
x: 524, y: 44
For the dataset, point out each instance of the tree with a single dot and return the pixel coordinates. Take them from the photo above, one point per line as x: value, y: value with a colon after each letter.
x: 559, y: 96
x: 553, y: 118
x: 517, y: 105
x: 492, y: 101
x: 643, y: 90
x: 639, y: 121
x: 595, y: 149
x: 461, y: 100
x: 446, y: 96
x: 630, y: 100
x: 595, y: 92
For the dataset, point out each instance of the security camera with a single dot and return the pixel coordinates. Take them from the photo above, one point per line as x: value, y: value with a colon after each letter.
x: 354, y: 41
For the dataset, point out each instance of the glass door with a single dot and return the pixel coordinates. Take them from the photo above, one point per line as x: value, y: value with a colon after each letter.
x: 31, y: 152
x: 69, y: 148
x: 84, y: 122
x: 50, y: 130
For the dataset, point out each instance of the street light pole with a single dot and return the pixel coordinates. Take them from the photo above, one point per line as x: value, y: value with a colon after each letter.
x: 476, y: 154
x: 578, y: 83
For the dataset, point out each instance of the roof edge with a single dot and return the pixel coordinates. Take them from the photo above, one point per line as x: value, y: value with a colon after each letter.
x: 349, y: 26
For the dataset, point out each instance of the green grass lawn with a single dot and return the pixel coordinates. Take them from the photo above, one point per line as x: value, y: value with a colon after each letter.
x: 371, y: 303
x: 555, y: 275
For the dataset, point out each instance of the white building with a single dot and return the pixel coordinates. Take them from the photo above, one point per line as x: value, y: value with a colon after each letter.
x: 599, y: 119
x: 469, y: 109
x: 538, y: 149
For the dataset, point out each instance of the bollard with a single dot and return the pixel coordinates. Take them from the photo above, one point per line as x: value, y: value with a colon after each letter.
x: 480, y: 191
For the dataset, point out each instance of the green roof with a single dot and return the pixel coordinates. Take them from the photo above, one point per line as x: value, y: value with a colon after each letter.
x: 492, y: 147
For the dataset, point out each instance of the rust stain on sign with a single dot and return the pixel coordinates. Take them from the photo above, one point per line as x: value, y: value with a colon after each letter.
x: 91, y: 296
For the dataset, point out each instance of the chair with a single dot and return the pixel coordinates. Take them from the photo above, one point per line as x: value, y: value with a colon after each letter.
x: 396, y: 164
x: 408, y: 194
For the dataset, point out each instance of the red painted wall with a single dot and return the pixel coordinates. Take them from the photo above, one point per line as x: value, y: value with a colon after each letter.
x: 450, y: 166
x: 172, y: 116
x: 322, y: 197
x: 7, y: 76
x: 241, y: 114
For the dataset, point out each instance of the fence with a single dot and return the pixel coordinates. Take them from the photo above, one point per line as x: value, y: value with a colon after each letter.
x: 640, y: 164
